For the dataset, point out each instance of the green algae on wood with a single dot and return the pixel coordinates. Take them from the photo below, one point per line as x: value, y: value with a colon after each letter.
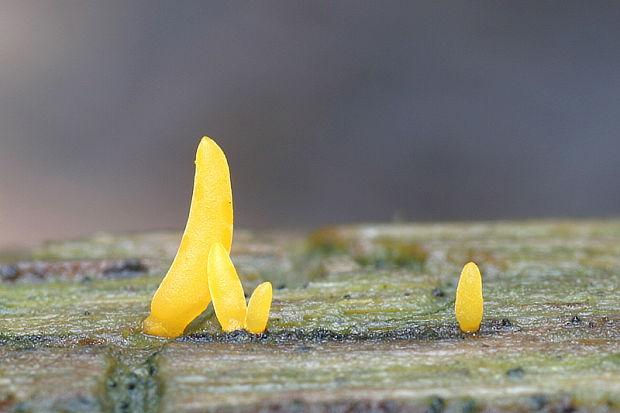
x: 362, y: 324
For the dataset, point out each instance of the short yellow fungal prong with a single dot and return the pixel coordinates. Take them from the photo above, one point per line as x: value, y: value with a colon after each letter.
x: 226, y: 289
x: 469, y: 304
x: 184, y: 293
x: 258, y: 309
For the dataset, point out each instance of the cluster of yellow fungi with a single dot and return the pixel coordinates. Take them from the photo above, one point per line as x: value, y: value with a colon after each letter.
x: 202, y: 270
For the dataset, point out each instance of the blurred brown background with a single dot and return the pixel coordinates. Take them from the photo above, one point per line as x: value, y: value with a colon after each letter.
x: 328, y: 111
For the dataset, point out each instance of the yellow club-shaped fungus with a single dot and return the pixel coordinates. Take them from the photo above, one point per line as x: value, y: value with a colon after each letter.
x: 184, y: 293
x: 258, y: 309
x: 229, y: 299
x: 226, y: 289
x: 469, y: 304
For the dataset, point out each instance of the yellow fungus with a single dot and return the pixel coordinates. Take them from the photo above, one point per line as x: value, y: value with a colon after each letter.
x: 226, y: 290
x: 184, y: 294
x: 258, y: 309
x: 228, y: 298
x: 469, y: 302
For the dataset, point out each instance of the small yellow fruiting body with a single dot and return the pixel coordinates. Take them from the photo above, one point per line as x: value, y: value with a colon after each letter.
x: 469, y: 303
x: 184, y: 293
x: 258, y: 308
x: 226, y: 290
x: 229, y: 299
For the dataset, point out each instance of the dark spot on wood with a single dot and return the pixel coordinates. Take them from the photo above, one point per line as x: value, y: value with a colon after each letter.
x: 498, y: 326
x: 348, y: 406
x: 538, y: 402
x: 322, y: 335
x: 9, y: 272
x: 407, y: 294
x: 71, y: 271
x: 464, y: 372
x: 31, y: 341
x: 340, y: 380
x: 436, y: 405
x: 515, y: 373
x: 125, y: 267
x: 238, y: 336
x: 86, y: 312
x: 297, y: 403
x: 346, y: 296
x: 568, y: 407
x: 281, y: 286
x: 438, y: 292
x: 469, y: 406
x: 389, y: 407
x: 21, y: 408
x: 575, y: 319
x: 91, y: 342
x: 6, y: 400
x: 133, y: 387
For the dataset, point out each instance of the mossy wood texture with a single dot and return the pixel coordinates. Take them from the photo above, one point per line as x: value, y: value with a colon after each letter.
x: 362, y: 320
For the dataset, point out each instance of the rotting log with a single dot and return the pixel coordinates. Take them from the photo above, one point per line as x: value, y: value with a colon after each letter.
x: 362, y: 320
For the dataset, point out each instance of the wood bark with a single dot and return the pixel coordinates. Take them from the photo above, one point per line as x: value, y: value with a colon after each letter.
x: 362, y: 320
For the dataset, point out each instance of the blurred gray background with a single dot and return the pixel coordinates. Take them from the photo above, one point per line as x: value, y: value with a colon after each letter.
x: 328, y: 111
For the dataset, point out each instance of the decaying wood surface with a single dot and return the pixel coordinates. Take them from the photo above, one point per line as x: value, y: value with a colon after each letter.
x: 362, y: 320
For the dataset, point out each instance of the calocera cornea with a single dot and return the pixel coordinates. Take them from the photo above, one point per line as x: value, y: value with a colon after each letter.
x: 469, y: 304
x: 258, y: 308
x: 184, y: 293
x: 229, y: 299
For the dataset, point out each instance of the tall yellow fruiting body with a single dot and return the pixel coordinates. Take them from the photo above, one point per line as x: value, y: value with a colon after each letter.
x: 184, y: 293
x: 469, y: 304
